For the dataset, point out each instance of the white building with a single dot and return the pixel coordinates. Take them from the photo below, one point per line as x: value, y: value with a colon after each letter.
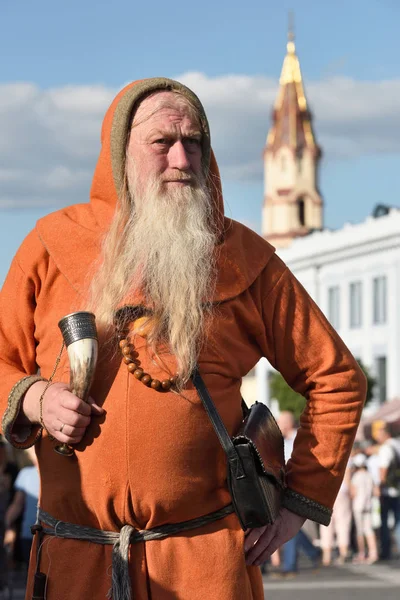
x: 353, y: 273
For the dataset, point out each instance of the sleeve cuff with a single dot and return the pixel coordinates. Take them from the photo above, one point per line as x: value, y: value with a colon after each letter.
x: 26, y: 435
x: 305, y: 507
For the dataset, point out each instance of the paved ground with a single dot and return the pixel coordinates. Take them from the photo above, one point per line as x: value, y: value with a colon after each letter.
x: 349, y: 582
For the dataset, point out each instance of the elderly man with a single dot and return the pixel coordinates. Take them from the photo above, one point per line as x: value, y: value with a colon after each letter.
x: 153, y: 256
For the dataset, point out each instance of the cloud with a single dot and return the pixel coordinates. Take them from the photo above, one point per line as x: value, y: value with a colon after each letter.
x: 50, y: 138
x: 49, y: 142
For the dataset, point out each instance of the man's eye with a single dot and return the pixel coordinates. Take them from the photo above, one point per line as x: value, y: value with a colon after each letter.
x: 161, y: 141
x: 191, y: 144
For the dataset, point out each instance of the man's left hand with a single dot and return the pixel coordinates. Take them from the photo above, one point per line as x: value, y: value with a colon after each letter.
x: 261, y: 542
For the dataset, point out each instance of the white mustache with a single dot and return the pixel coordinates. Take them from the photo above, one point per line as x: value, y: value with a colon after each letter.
x: 179, y: 178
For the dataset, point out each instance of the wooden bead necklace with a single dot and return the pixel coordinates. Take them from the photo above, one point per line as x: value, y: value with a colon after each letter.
x: 131, y: 359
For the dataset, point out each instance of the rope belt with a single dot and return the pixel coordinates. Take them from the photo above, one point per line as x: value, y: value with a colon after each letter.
x: 121, y: 585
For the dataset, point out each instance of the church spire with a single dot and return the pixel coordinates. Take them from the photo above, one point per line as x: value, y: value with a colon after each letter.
x: 291, y: 117
x: 292, y: 204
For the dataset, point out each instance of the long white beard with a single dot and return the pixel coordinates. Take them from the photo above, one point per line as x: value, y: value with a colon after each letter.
x: 166, y: 249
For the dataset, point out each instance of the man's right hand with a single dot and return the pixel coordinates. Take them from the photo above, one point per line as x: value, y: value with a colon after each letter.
x: 65, y: 416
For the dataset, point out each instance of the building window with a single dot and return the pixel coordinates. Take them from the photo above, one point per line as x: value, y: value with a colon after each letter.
x: 381, y: 378
x: 355, y: 304
x: 299, y: 165
x: 380, y: 293
x: 334, y: 306
x: 301, y: 211
x: 299, y: 160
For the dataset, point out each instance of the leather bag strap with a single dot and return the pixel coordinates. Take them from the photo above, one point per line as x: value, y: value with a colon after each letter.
x: 219, y: 427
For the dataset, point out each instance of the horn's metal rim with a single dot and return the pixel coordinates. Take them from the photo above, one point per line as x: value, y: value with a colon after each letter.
x: 77, y: 326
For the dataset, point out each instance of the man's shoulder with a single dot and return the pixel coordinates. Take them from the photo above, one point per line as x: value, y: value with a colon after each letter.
x: 30, y: 252
x: 242, y: 257
x: 246, y: 235
x: 256, y: 249
x: 79, y: 215
x: 33, y: 247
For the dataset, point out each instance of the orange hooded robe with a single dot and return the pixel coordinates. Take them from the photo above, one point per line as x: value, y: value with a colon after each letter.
x: 155, y: 458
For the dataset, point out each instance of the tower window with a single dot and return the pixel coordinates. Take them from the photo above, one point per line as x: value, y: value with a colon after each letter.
x: 301, y: 211
x: 299, y: 160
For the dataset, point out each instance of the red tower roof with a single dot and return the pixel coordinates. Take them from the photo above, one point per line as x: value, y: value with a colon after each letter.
x: 291, y: 118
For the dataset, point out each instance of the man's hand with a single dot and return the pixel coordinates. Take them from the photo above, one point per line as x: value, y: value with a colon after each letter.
x: 261, y: 542
x: 65, y: 416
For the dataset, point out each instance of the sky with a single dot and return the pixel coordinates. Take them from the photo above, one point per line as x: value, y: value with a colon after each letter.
x: 62, y: 64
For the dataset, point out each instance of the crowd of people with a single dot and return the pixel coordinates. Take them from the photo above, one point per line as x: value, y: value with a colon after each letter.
x: 365, y: 524
x: 19, y: 491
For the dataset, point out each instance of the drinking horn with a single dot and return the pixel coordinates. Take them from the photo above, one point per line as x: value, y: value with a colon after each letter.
x: 80, y: 337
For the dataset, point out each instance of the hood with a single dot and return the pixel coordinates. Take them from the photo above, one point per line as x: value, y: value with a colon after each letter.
x: 72, y: 236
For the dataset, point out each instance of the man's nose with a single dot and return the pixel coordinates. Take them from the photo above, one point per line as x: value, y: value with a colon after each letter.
x: 178, y: 157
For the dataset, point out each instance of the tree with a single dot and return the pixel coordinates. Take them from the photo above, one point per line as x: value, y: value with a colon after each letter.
x: 290, y: 400
x: 287, y: 398
x: 371, y: 381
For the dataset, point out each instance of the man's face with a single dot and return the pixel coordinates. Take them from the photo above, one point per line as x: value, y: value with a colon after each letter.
x: 165, y: 142
x: 379, y: 432
x: 380, y: 435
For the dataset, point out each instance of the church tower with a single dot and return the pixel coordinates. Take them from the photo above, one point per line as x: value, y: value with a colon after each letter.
x: 293, y: 206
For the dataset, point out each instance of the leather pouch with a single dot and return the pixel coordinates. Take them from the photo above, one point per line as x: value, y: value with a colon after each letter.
x: 256, y: 463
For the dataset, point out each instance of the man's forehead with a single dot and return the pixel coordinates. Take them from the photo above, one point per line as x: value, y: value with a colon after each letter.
x: 157, y: 105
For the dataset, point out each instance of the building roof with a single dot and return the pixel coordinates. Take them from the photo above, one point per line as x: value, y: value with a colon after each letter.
x: 291, y: 117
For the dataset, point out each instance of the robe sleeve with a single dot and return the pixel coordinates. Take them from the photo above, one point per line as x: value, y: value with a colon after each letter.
x: 315, y: 362
x: 18, y: 368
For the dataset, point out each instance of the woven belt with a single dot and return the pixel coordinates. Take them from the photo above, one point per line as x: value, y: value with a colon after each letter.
x: 121, y: 585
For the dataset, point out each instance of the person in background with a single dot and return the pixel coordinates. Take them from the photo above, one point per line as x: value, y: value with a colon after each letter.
x: 8, y: 474
x: 300, y: 541
x: 371, y: 451
x: 24, y: 503
x: 340, y: 525
x: 389, y: 481
x: 362, y: 491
